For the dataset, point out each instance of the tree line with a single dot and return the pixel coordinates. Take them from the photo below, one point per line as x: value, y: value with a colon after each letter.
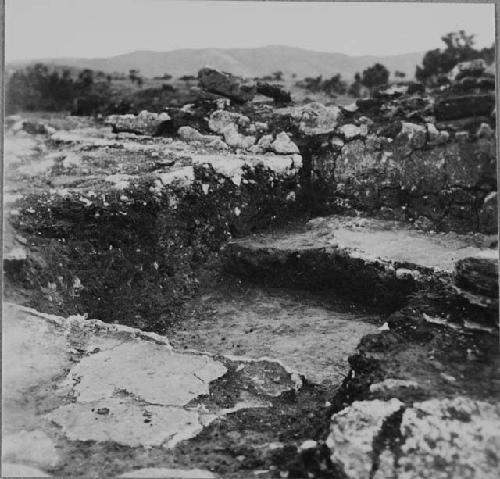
x: 38, y: 88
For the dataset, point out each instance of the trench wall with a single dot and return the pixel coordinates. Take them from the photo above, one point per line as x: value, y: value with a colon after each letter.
x: 451, y: 186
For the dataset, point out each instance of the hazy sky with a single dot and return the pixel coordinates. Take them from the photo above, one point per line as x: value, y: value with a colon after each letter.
x: 100, y: 28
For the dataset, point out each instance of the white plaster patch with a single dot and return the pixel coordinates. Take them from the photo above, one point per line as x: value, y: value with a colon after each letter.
x: 150, y: 372
x: 125, y: 421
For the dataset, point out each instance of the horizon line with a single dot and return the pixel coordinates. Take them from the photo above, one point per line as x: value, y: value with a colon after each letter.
x: 32, y: 59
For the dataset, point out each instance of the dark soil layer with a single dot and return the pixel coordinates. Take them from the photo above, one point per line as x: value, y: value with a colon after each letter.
x: 139, y: 258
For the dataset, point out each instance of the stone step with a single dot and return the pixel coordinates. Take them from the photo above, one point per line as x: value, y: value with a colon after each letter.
x: 378, y: 262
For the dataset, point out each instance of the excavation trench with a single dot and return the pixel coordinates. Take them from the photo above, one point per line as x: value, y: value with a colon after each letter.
x: 226, y: 317
x: 131, y: 257
x: 276, y: 322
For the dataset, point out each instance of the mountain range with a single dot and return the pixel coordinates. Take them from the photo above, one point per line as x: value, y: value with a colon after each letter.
x: 250, y: 62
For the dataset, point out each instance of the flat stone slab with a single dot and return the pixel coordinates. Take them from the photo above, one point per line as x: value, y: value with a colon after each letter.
x: 71, y: 382
x: 379, y: 240
x: 367, y: 258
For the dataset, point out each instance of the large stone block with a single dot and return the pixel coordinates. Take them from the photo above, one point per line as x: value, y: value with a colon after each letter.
x: 238, y: 89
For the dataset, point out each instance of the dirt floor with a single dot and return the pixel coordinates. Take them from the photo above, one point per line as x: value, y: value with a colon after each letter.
x: 311, y: 334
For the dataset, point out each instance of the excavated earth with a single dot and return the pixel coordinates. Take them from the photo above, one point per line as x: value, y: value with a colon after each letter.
x: 170, y: 310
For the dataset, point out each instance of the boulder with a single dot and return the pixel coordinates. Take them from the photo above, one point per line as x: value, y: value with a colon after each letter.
x: 457, y: 437
x: 220, y: 119
x: 265, y: 142
x: 444, y: 438
x: 456, y: 107
x: 236, y: 88
x: 276, y: 92
x: 284, y: 145
x: 316, y: 119
x: 350, y: 131
x: 189, y: 134
x: 353, y: 434
x: 235, y: 139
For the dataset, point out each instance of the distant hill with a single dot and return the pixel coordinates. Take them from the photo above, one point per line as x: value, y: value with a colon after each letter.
x: 249, y: 62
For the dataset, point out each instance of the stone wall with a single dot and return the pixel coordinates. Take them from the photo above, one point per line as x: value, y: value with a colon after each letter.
x: 440, y: 179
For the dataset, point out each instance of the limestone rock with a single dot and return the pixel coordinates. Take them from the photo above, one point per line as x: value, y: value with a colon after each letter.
x: 265, y: 142
x: 233, y: 87
x: 189, y: 134
x: 412, y: 135
x: 438, y: 438
x: 337, y: 142
x: 450, y: 438
x: 283, y: 144
x: 143, y: 124
x: 220, y: 119
x: 350, y: 131
x: 317, y: 119
x: 352, y: 435
x: 235, y: 139
x: 218, y: 144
